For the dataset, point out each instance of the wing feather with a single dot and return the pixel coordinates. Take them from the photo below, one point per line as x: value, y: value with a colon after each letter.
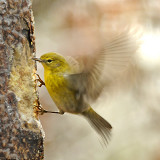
x: 106, y: 66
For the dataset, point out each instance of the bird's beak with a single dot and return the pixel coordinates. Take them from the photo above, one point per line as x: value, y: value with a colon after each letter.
x: 37, y: 59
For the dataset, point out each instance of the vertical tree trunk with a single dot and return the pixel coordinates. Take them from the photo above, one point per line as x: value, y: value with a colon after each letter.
x: 21, y: 134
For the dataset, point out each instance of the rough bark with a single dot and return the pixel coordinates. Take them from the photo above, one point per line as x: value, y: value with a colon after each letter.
x: 21, y: 134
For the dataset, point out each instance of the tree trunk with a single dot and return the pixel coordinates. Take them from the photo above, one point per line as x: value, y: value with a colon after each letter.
x: 21, y: 134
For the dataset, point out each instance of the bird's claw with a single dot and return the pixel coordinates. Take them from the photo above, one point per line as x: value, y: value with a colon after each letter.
x: 41, y: 110
x: 40, y: 80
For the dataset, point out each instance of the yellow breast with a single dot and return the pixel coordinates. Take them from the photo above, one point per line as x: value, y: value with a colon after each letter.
x: 63, y: 97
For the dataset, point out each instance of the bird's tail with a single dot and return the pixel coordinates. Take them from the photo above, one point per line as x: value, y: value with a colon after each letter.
x: 102, y: 127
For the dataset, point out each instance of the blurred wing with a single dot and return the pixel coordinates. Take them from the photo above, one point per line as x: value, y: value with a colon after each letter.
x: 105, y: 67
x: 117, y: 54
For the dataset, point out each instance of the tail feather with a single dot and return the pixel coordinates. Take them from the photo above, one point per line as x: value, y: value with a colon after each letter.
x: 102, y: 127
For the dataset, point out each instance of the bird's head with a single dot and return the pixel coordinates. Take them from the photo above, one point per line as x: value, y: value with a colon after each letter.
x: 53, y: 61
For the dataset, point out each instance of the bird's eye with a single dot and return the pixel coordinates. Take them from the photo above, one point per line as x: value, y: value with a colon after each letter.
x: 49, y: 60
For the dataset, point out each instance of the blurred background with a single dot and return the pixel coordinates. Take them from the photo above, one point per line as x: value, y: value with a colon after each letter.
x: 132, y: 105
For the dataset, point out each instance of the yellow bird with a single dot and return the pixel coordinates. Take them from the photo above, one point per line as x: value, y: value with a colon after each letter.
x: 72, y: 84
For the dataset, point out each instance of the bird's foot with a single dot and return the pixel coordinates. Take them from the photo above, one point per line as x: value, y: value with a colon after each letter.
x: 40, y: 80
x: 41, y: 110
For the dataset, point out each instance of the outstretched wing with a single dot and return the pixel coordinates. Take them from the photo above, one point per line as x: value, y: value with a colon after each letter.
x: 105, y: 66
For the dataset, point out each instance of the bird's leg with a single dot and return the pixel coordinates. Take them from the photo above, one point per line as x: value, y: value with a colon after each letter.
x: 40, y: 80
x: 60, y: 112
x: 41, y: 110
